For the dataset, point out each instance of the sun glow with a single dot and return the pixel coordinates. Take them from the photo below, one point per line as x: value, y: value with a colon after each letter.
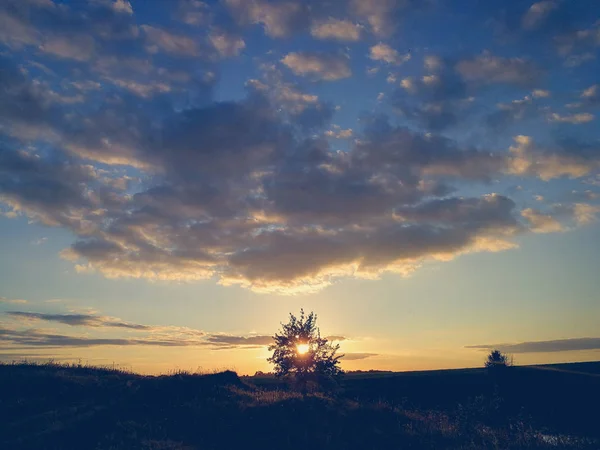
x: 302, y: 348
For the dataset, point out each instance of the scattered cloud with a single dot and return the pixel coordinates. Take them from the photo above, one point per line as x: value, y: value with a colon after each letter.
x: 147, y: 335
x: 226, y: 44
x: 358, y: 356
x: 572, y: 118
x: 193, y: 12
x: 540, y: 93
x: 329, y: 67
x: 570, y: 159
x: 339, y: 133
x: 383, y: 52
x: 80, y: 49
x: 341, y: 30
x: 159, y: 40
x: 86, y: 320
x: 381, y: 15
x: 13, y: 301
x: 559, y: 345
x: 489, y: 69
x: 541, y: 223
x: 538, y: 12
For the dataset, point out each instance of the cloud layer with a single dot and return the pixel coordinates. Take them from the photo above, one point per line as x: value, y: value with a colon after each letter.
x: 559, y: 345
x: 13, y: 334
x: 124, y: 134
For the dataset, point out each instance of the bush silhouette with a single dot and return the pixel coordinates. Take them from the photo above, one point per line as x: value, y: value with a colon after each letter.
x: 301, y: 353
x: 497, y: 359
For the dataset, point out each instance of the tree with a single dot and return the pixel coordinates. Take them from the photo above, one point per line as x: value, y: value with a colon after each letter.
x: 299, y: 351
x: 497, y: 359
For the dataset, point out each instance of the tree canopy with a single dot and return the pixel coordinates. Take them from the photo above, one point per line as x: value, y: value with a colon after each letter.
x: 300, y: 351
x: 497, y: 359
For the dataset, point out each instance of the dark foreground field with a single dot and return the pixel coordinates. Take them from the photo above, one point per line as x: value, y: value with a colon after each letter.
x: 54, y: 407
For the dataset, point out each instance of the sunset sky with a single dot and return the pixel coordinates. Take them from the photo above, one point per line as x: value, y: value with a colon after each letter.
x: 176, y: 177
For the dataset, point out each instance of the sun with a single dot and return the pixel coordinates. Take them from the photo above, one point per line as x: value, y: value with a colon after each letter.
x: 302, y: 348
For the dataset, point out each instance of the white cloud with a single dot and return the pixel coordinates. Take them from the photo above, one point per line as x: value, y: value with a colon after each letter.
x: 13, y: 301
x: 488, y: 69
x: 161, y: 40
x: 585, y: 213
x: 537, y: 13
x: 574, y: 119
x: 226, y: 44
x: 339, y: 133
x: 79, y: 49
x: 380, y: 14
x: 341, y: 30
x: 527, y: 159
x: 383, y: 52
x: 540, y: 93
x: 323, y: 66
x: 591, y: 93
x: 541, y: 223
x: 122, y: 6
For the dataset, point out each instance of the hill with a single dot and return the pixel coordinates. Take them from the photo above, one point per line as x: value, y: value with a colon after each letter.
x: 65, y: 407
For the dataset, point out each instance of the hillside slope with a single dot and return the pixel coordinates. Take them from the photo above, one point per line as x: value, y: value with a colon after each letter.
x: 56, y: 407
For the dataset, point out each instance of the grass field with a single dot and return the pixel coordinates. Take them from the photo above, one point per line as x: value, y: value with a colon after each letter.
x: 50, y: 406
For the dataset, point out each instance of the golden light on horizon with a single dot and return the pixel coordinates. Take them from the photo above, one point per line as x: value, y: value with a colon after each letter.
x: 302, y: 348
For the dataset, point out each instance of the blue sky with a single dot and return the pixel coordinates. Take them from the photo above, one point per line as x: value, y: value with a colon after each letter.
x: 176, y: 177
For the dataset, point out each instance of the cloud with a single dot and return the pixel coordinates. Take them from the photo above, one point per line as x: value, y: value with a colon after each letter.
x: 13, y: 301
x: 329, y: 67
x: 127, y: 144
x: 85, y: 320
x: 225, y: 340
x: 80, y: 49
x: 122, y: 6
x: 584, y: 213
x: 337, y: 29
x: 339, y: 133
x: 304, y: 109
x: 571, y: 159
x: 541, y: 223
x: 516, y: 111
x: 226, y: 44
x: 490, y: 69
x: 383, y: 52
x: 537, y: 13
x: 279, y: 19
x: 435, y: 101
x: 575, y: 119
x: 578, y: 42
x: 35, y: 338
x: 358, y: 356
x: 559, y: 345
x: 193, y: 12
x: 336, y: 338
x: 161, y: 40
x: 591, y: 95
x: 167, y: 336
x: 578, y: 60
x: 381, y: 15
x: 540, y: 93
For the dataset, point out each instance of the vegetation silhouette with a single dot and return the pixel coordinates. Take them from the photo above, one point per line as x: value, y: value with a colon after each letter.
x: 54, y: 406
x: 302, y: 356
x: 496, y: 359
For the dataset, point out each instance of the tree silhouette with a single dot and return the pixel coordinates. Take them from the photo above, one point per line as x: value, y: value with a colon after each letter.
x: 497, y: 359
x: 301, y: 352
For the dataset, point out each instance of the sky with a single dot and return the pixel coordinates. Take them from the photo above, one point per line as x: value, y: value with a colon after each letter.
x: 177, y: 177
